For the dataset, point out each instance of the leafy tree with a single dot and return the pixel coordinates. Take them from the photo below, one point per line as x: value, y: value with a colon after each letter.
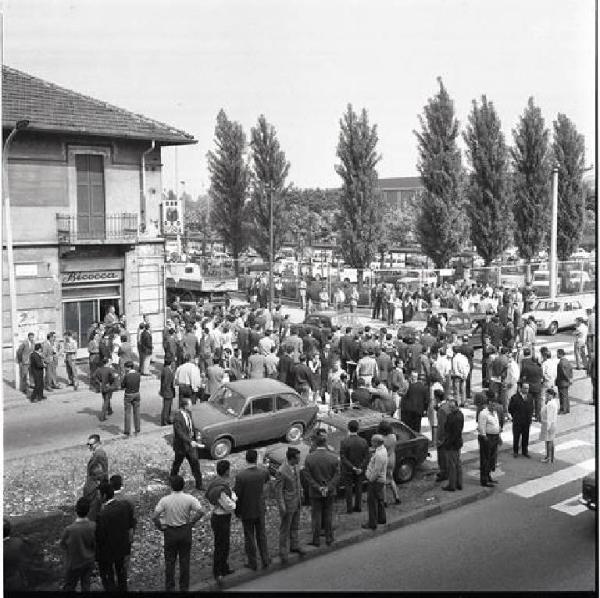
x: 270, y: 170
x: 229, y: 175
x: 441, y: 225
x: 488, y: 190
x: 531, y: 182
x: 569, y: 153
x: 360, y: 213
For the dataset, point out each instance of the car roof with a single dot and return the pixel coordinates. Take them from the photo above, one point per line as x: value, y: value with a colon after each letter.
x: 365, y: 417
x: 259, y: 386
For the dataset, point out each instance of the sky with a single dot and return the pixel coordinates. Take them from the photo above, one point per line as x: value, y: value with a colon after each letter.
x: 300, y: 62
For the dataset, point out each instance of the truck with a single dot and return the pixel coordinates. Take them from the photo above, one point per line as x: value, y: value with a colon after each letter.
x: 192, y: 281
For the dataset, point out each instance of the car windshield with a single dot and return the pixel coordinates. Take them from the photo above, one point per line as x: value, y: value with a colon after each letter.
x: 228, y: 401
x: 546, y: 306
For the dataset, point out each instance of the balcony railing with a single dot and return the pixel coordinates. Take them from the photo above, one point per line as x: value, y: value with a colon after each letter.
x: 107, y: 229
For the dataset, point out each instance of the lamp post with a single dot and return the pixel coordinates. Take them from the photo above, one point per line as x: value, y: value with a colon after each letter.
x: 12, y: 285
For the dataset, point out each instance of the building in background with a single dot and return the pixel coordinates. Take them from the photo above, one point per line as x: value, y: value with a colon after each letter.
x: 84, y: 179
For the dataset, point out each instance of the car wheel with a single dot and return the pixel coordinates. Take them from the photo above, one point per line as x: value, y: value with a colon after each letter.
x: 220, y: 448
x: 553, y: 328
x: 294, y: 434
x: 405, y: 471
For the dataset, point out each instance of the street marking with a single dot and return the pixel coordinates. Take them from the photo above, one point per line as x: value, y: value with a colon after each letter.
x: 570, y: 506
x: 553, y: 480
x: 474, y: 473
x: 540, y: 447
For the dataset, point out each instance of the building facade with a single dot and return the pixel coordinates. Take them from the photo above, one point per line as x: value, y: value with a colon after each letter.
x: 84, y: 181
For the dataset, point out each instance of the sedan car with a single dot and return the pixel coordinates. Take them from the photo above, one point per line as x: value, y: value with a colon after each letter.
x: 246, y: 412
x: 589, y: 492
x: 552, y: 315
x: 321, y: 323
x: 419, y: 321
x: 411, y: 448
x: 464, y: 324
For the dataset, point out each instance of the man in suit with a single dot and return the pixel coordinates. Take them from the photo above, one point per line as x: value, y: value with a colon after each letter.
x: 286, y: 366
x: 167, y: 391
x: 564, y: 377
x: 145, y: 350
x: 116, y: 481
x: 531, y: 372
x: 354, y: 455
x: 113, y: 525
x: 243, y: 340
x: 346, y: 342
x: 214, y: 376
x: 184, y: 441
x: 250, y: 508
x: 453, y: 442
x: 288, y: 490
x: 36, y: 371
x: 97, y: 467
x: 414, y: 404
x: 322, y: 473
x: 521, y: 411
x: 26, y: 348
x: 50, y: 355
x: 105, y: 378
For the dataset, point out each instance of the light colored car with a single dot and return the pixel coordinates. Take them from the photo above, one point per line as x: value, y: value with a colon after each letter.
x: 541, y: 282
x: 416, y: 278
x: 579, y: 281
x: 580, y: 254
x: 552, y: 315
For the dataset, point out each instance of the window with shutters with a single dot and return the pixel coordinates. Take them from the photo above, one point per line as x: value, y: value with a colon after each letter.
x: 91, y: 216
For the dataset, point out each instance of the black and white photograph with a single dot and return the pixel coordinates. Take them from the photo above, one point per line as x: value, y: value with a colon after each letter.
x: 299, y: 296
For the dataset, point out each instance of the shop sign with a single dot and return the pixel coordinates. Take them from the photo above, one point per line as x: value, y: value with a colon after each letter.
x: 91, y: 276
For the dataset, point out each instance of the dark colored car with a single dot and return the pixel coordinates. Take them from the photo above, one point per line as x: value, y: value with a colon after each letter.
x: 321, y: 323
x: 411, y: 449
x: 246, y: 412
x: 589, y: 492
x: 465, y: 324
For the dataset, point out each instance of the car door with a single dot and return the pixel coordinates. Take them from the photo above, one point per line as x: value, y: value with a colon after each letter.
x: 565, y: 316
x: 288, y: 409
x: 256, y: 421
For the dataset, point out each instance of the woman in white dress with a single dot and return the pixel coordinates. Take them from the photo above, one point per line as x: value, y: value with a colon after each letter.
x: 549, y: 417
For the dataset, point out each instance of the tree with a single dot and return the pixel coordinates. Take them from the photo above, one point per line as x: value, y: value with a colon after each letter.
x: 569, y: 154
x: 229, y: 176
x: 531, y: 182
x: 270, y: 169
x: 441, y: 225
x: 488, y: 191
x: 360, y: 213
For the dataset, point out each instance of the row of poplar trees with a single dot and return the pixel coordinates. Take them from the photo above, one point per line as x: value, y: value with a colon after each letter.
x: 503, y: 197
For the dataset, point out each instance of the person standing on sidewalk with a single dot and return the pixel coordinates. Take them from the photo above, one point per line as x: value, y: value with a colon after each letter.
x: 580, y: 344
x: 591, y: 334
x: 167, y: 391
x: 564, y: 378
x: 354, y: 456
x: 488, y: 425
x: 36, y: 371
x: 131, y: 398
x: 453, y: 442
x: 70, y: 351
x: 175, y: 515
x: 145, y: 348
x: 376, y: 475
x: 78, y: 540
x: 26, y: 348
x: 184, y: 441
x: 94, y: 358
x: 521, y: 411
x: 288, y: 490
x: 105, y: 379
x: 250, y: 508
x: 443, y: 409
x: 531, y: 372
x: 220, y: 495
x: 50, y: 355
x: 549, y: 423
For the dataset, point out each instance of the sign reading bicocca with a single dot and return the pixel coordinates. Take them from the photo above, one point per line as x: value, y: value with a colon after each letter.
x: 90, y: 276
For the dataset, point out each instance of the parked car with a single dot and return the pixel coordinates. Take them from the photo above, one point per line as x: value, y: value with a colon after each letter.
x: 417, y: 278
x: 411, y: 448
x: 245, y: 412
x: 420, y: 319
x: 464, y: 324
x: 321, y: 323
x: 552, y: 315
x: 589, y: 492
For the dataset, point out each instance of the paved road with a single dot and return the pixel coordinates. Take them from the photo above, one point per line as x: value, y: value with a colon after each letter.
x: 531, y: 534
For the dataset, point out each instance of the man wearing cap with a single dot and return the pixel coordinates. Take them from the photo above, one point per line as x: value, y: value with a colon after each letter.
x: 580, y: 344
x: 288, y: 490
x: 131, y: 398
x: 376, y: 475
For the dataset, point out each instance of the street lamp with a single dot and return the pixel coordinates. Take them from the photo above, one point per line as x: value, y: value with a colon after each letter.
x: 12, y: 286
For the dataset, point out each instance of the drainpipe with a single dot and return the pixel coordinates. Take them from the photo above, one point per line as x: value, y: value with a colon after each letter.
x: 143, y: 191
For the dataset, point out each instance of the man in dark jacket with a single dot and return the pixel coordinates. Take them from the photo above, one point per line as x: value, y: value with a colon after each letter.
x: 184, y: 441
x: 345, y: 347
x: 361, y: 395
x: 285, y: 366
x: 531, y: 372
x: 243, y: 340
x: 145, y: 350
x: 113, y: 525
x: 354, y: 456
x: 564, y: 377
x: 322, y: 473
x: 167, y: 391
x: 453, y: 442
x: 105, y: 379
x: 250, y: 508
x: 414, y: 404
x: 36, y: 370
x: 303, y: 378
x: 520, y: 408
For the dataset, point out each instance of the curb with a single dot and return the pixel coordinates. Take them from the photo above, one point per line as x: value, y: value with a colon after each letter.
x: 244, y: 575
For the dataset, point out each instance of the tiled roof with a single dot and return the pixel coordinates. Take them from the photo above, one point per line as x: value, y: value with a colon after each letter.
x: 50, y: 107
x: 403, y: 182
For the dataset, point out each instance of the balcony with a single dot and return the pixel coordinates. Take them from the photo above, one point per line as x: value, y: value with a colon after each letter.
x: 110, y: 229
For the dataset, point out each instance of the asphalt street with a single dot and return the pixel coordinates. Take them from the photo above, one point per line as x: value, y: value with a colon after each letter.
x: 529, y: 535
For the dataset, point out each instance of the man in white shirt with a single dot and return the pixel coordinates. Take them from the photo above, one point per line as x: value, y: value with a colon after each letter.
x: 513, y: 372
x: 460, y: 372
x: 187, y: 377
x: 580, y: 334
x: 488, y: 425
x: 375, y: 474
x: 367, y: 368
x: 549, y: 368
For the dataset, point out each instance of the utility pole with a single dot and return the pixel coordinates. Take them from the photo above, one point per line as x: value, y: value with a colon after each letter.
x: 554, y: 234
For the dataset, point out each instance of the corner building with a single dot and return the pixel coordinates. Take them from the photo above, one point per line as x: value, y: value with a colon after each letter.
x: 84, y: 181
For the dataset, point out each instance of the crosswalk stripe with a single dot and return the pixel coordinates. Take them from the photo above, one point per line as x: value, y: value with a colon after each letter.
x: 570, y: 506
x: 553, y: 480
x: 553, y: 344
x: 539, y: 447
